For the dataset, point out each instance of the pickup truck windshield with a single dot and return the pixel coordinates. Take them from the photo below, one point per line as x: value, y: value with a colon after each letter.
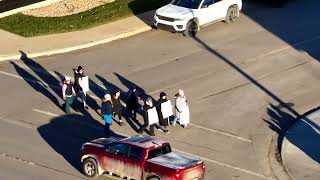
x: 192, y: 4
x: 159, y: 151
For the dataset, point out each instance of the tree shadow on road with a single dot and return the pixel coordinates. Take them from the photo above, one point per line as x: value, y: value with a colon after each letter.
x: 66, y: 134
x: 301, y: 132
x: 296, y: 29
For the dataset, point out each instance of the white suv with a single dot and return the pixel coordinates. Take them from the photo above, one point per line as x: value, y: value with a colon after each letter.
x: 188, y: 15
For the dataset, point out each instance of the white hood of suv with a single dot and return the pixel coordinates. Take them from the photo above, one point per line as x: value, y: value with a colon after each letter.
x: 173, y: 11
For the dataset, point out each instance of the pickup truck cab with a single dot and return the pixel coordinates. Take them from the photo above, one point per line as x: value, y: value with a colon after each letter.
x: 139, y: 158
x: 188, y: 16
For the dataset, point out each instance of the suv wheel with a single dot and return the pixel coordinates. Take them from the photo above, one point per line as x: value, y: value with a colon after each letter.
x: 191, y: 29
x: 90, y: 168
x: 232, y: 14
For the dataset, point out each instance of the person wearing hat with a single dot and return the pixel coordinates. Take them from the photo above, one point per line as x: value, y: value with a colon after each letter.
x: 181, y: 108
x: 148, y: 106
x: 163, y: 122
x: 132, y: 104
x: 68, y: 93
x: 78, y: 75
x: 106, y: 112
x: 117, y: 106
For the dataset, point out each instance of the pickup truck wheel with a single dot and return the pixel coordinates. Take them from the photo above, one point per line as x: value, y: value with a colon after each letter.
x: 191, y: 29
x: 232, y: 14
x: 90, y: 168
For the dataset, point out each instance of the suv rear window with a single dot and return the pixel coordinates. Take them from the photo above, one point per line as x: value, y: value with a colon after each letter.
x: 159, y: 151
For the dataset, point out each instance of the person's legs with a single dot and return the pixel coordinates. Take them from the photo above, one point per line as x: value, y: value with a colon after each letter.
x: 176, y: 118
x: 143, y: 128
x: 68, y: 104
x: 152, y: 130
x: 84, y: 99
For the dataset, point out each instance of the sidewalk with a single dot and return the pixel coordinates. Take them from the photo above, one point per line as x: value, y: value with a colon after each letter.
x: 301, y: 148
x: 66, y: 42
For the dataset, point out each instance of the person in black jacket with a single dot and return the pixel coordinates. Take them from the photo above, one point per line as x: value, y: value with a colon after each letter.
x: 133, y: 103
x: 78, y: 75
x: 106, y: 112
x: 147, y: 106
x: 163, y: 122
x: 117, y: 106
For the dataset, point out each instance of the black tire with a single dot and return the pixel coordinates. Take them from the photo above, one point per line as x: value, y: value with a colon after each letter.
x: 90, y: 167
x: 232, y: 14
x: 191, y: 29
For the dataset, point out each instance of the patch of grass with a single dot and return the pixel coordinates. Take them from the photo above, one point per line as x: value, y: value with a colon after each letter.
x: 28, y: 26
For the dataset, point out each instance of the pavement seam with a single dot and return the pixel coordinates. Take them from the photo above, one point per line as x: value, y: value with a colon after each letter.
x: 12, y: 157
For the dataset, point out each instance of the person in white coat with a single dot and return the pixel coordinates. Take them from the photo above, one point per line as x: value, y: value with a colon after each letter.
x: 181, y: 110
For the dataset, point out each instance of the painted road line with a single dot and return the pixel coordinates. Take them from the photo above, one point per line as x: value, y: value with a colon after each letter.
x: 224, y: 165
x: 45, y: 112
x: 21, y: 160
x: 183, y: 152
x: 221, y: 132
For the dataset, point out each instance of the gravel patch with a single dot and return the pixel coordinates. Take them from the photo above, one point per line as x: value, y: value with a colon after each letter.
x: 65, y: 7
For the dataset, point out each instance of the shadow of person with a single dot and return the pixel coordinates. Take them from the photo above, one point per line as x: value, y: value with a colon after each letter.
x: 42, y: 73
x: 303, y: 133
x: 66, y: 134
x: 130, y: 85
x: 36, y: 84
x: 134, y: 123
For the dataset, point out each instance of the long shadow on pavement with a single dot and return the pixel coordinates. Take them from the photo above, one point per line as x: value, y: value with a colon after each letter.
x: 298, y: 30
x: 66, y: 134
x: 303, y: 133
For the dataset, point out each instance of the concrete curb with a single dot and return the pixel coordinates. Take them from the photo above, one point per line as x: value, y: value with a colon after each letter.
x: 277, y: 166
x: 82, y: 46
x: 285, y: 141
x: 31, y: 6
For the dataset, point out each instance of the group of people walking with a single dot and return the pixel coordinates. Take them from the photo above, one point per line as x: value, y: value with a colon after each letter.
x: 155, y: 114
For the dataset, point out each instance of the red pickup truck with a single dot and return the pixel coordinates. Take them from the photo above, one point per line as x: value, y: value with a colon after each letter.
x: 139, y: 158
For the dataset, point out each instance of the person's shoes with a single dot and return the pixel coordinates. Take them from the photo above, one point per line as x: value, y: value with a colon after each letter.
x: 174, y: 125
x: 86, y: 107
x: 152, y: 135
x: 159, y: 129
x: 121, y: 123
x: 166, y: 131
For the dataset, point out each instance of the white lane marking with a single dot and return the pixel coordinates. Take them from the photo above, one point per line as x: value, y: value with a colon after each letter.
x: 183, y: 152
x: 8, y: 156
x: 224, y: 165
x: 45, y: 112
x: 221, y: 132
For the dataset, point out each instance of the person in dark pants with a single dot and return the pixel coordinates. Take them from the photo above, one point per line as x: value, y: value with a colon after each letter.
x: 106, y: 112
x: 133, y: 103
x: 117, y: 106
x: 147, y: 106
x: 68, y: 93
x: 78, y: 75
x: 163, y: 122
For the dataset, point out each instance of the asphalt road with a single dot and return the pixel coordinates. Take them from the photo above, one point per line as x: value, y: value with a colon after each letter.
x: 234, y: 76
